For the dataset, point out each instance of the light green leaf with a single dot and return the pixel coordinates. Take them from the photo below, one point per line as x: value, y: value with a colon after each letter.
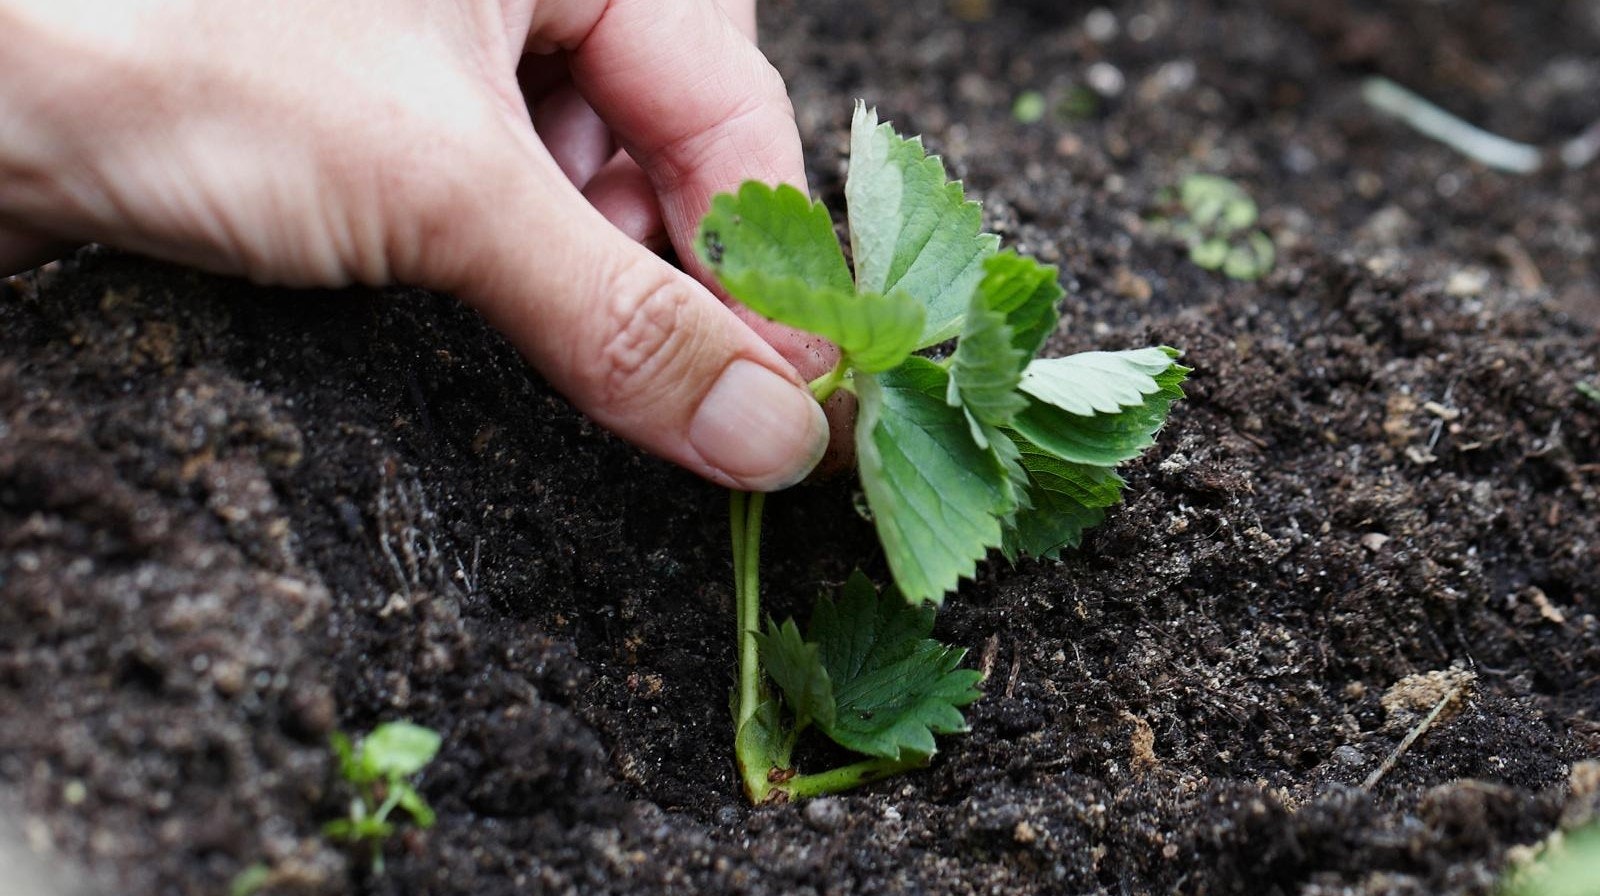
x: 936, y: 496
x: 1102, y: 439
x: 413, y: 803
x: 1065, y: 500
x: 774, y: 250
x: 1097, y: 382
x: 344, y: 752
x: 398, y: 748
x: 778, y: 232
x: 1011, y: 313
x: 895, y: 688
x: 762, y: 744
x: 1569, y: 866
x: 876, y: 332
x: 795, y: 665
x: 911, y: 230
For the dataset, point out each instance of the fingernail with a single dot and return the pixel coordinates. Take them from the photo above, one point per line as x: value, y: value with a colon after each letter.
x: 759, y: 428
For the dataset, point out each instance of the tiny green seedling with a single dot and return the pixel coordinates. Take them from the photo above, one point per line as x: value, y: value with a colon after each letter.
x: 981, y: 447
x: 1568, y: 865
x: 1216, y: 219
x: 379, y: 770
x: 1588, y: 390
x: 1029, y: 107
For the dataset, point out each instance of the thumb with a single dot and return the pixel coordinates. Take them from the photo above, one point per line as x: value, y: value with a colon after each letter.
x: 638, y: 345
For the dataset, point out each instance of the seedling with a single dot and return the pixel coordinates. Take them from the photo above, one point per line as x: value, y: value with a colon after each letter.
x: 1568, y: 865
x: 1588, y: 390
x: 977, y: 448
x: 1216, y: 218
x: 379, y: 770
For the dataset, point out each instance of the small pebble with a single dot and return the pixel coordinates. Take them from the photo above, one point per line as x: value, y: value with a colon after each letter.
x: 727, y: 816
x: 1349, y: 755
x: 825, y: 814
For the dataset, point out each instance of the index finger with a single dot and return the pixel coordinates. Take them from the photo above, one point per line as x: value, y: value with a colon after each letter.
x: 687, y: 95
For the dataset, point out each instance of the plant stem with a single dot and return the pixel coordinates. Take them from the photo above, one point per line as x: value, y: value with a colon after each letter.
x: 823, y: 387
x: 845, y: 777
x: 744, y: 522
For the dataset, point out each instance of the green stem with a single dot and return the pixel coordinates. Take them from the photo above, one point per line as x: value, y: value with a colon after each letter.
x: 744, y: 522
x: 738, y: 509
x: 749, y: 595
x: 846, y: 777
x: 823, y: 387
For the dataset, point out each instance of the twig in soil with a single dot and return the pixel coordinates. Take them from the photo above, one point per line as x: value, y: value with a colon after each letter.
x: 1411, y: 738
x: 1474, y: 142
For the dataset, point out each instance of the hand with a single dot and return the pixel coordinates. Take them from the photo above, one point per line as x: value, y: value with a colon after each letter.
x: 311, y: 143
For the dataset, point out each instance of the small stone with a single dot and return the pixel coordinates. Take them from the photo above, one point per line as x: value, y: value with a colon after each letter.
x: 825, y: 814
x: 727, y: 816
x: 1467, y: 283
x: 1350, y: 756
x: 1374, y: 541
x: 1105, y: 79
x: 1024, y: 833
x: 1100, y: 25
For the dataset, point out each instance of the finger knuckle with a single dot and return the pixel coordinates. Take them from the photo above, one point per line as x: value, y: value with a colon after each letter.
x: 648, y: 337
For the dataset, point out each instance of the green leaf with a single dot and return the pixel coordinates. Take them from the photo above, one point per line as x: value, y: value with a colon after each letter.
x: 398, y: 748
x: 250, y: 881
x: 413, y: 803
x: 1064, y: 500
x: 774, y: 250
x: 1097, y: 382
x: 344, y: 753
x: 911, y: 230
x: 794, y: 664
x: 1011, y: 313
x: 778, y: 232
x: 1102, y: 439
x: 876, y: 332
x: 936, y: 495
x: 895, y: 688
x: 863, y: 632
x: 1569, y: 866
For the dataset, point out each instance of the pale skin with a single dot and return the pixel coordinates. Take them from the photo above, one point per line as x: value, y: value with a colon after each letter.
x: 526, y: 156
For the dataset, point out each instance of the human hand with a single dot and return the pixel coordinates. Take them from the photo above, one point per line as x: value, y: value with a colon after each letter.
x: 375, y: 141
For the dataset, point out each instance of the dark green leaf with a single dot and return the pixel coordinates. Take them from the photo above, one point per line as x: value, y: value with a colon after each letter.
x: 795, y: 666
x: 890, y: 688
x: 1011, y: 313
x: 1064, y: 500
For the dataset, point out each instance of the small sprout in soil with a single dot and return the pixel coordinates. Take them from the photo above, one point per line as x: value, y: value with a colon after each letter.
x: 982, y: 447
x: 1029, y: 107
x: 378, y: 770
x: 1589, y: 390
x: 1568, y: 866
x: 1216, y: 219
x: 250, y: 880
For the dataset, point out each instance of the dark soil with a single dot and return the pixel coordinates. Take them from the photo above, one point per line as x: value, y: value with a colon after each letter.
x: 234, y: 519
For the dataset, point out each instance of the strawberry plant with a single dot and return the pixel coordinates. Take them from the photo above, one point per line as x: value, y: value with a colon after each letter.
x: 976, y: 447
